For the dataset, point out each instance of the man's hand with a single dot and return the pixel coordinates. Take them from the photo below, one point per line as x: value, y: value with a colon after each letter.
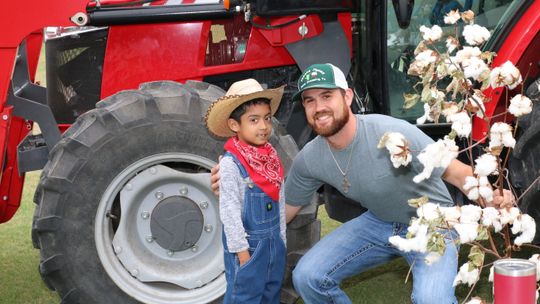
x: 504, y: 200
x: 243, y: 257
x: 214, y: 178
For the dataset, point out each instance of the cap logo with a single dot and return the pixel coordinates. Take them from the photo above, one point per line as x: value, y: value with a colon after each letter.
x: 311, y: 76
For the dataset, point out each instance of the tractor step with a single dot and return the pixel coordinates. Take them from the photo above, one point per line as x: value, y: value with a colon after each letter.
x: 32, y: 153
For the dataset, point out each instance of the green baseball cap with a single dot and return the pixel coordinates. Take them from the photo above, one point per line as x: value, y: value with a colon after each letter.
x: 321, y: 76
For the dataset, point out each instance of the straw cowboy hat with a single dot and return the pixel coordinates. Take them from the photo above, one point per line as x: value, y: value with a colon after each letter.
x: 239, y: 92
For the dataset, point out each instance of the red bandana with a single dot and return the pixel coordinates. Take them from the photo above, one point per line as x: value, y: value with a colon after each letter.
x: 261, y: 163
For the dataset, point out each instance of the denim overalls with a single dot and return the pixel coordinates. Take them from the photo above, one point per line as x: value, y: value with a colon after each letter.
x: 259, y: 279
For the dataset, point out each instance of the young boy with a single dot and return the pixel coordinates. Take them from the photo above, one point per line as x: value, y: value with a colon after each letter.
x: 251, y: 200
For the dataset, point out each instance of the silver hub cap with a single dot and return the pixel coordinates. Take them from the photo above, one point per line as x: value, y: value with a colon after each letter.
x: 166, y: 247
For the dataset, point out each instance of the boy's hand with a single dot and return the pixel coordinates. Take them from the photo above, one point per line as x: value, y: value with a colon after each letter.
x: 243, y: 257
x: 214, y: 178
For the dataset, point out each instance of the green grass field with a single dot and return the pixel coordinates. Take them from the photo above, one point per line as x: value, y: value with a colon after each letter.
x: 20, y: 281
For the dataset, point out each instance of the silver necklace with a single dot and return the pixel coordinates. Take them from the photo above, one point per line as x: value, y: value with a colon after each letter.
x: 345, y: 184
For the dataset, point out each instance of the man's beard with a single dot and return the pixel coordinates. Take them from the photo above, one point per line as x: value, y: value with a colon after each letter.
x: 336, y: 126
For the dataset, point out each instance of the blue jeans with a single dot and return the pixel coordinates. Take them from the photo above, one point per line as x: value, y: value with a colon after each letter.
x: 361, y: 244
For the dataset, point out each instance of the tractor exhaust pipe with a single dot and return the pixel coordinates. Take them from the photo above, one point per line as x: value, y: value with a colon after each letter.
x: 157, y: 14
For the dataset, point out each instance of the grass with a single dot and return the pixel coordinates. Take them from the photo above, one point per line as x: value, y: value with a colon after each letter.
x: 20, y: 281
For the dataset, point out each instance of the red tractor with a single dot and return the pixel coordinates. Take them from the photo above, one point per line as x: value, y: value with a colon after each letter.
x: 124, y: 211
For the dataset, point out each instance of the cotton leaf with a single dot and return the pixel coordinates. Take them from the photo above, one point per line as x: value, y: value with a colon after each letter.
x: 467, y: 16
x: 476, y: 256
x: 418, y: 202
x: 410, y: 100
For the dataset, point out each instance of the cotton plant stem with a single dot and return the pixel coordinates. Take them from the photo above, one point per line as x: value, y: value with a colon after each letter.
x: 507, y: 157
x: 500, y: 178
x: 492, y: 244
x: 531, y: 246
x: 528, y: 188
x: 473, y: 145
x: 486, y: 250
x: 508, y: 245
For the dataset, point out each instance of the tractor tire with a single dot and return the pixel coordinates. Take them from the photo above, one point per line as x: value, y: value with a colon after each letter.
x: 125, y: 210
x: 524, y: 165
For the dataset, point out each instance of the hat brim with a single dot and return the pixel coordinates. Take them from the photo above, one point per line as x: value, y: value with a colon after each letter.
x: 298, y: 95
x: 220, y: 110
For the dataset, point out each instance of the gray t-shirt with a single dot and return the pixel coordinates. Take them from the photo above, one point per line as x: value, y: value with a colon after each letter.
x: 375, y: 183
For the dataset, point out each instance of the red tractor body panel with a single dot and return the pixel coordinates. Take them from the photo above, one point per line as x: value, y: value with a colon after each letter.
x: 177, y: 51
x: 520, y: 47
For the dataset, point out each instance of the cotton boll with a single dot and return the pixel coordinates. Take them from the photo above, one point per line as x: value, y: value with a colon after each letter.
x: 475, y: 34
x: 507, y: 74
x: 526, y: 225
x: 428, y: 211
x: 470, y: 214
x: 418, y: 243
x: 471, y: 186
x: 476, y: 69
x: 509, y: 215
x: 452, y: 17
x: 451, y: 215
x: 491, y: 218
x: 511, y: 74
x: 464, y: 55
x: 465, y: 276
x: 431, y: 34
x: 520, y: 105
x: 535, y: 258
x: 475, y: 300
x: 461, y: 123
x: 467, y: 232
x: 500, y: 134
x: 437, y: 154
x: 486, y: 164
x: 398, y: 147
x: 484, y: 189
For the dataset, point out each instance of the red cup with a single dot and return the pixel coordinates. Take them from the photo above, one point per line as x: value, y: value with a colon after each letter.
x: 514, y: 282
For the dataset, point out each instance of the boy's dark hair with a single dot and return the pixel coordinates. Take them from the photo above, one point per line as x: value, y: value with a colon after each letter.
x: 241, y: 110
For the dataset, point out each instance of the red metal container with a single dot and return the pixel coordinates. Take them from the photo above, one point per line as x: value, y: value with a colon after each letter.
x: 514, y: 282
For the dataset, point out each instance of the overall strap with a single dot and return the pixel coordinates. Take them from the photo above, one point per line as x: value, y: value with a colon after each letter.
x: 243, y: 171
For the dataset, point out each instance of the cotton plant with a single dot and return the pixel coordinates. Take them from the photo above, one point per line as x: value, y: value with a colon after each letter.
x: 450, y: 88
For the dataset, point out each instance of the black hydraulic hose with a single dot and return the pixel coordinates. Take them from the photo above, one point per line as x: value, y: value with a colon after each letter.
x: 157, y: 14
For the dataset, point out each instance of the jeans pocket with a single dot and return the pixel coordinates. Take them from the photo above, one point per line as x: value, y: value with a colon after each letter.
x: 254, y: 249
